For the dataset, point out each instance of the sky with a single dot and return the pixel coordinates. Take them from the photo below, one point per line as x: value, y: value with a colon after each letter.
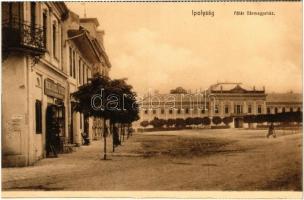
x: 160, y: 46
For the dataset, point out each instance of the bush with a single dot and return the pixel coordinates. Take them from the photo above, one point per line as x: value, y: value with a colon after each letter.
x: 216, y: 120
x: 206, y: 121
x: 157, y: 123
x: 227, y: 120
x: 144, y: 123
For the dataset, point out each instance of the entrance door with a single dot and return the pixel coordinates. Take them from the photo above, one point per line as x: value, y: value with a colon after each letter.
x: 52, y: 131
x: 238, y: 122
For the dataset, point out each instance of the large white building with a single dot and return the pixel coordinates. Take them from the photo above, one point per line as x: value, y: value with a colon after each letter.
x: 222, y: 99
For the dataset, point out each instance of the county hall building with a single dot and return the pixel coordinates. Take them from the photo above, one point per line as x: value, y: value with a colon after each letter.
x: 221, y: 99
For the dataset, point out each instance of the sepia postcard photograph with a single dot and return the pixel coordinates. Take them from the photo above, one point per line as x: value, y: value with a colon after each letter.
x: 152, y: 99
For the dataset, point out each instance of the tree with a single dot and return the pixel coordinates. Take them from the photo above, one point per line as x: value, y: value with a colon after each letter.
x: 249, y: 118
x: 206, y: 121
x: 180, y: 123
x: 216, y: 120
x: 111, y: 100
x: 144, y: 123
x: 227, y: 120
x: 189, y: 121
x: 157, y: 123
x: 170, y: 122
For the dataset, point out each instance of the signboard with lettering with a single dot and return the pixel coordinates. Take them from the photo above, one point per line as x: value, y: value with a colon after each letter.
x: 53, y: 89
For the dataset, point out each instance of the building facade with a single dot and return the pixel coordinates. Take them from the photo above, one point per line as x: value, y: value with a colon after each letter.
x: 222, y: 99
x: 44, y: 62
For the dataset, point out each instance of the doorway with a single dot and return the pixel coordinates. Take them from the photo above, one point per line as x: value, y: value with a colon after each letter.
x: 238, y: 122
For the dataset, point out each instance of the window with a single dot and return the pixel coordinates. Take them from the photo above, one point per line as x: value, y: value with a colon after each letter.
x: 54, y: 40
x: 299, y: 109
x: 275, y: 110
x: 162, y: 111
x: 259, y: 109
x: 226, y: 109
x: 238, y: 109
x: 33, y: 17
x: 268, y: 110
x: 179, y: 111
x: 71, y: 61
x: 44, y: 24
x: 187, y: 111
x: 203, y: 111
x: 146, y: 111
x: 170, y: 111
x: 291, y: 109
x: 283, y: 109
x: 83, y: 73
x: 154, y: 112
x: 74, y: 64
x: 80, y: 121
x: 89, y: 74
x: 38, y: 111
x: 216, y: 109
x: 79, y: 71
x: 250, y: 109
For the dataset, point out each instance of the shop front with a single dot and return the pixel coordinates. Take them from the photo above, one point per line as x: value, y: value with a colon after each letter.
x: 55, y: 118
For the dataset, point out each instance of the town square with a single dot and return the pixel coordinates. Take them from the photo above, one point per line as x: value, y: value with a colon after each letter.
x: 142, y: 96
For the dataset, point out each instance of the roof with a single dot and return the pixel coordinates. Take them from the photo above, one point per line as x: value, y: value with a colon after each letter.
x: 85, y: 20
x: 233, y: 87
x: 284, y: 97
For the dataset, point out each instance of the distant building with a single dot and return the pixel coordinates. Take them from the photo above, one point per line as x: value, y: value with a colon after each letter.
x: 221, y: 99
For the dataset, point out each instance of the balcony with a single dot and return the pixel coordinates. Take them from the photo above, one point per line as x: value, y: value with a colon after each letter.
x: 18, y: 35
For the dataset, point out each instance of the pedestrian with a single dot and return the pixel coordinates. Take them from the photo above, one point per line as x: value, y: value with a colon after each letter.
x: 271, y: 131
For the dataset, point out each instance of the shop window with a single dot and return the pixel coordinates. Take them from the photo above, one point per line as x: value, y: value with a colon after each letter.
x: 38, y: 112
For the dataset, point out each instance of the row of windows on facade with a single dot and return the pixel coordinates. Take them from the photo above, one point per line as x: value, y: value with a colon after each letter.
x: 83, y: 73
x: 238, y: 109
x: 283, y: 109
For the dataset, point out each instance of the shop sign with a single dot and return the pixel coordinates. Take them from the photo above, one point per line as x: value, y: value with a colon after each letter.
x: 53, y: 89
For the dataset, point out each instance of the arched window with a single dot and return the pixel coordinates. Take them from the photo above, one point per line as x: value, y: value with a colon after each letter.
x: 275, y: 110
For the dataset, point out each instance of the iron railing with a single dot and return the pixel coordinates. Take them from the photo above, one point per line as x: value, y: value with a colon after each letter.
x: 19, y: 35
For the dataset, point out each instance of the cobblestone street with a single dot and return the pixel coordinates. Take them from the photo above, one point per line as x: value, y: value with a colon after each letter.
x: 174, y: 160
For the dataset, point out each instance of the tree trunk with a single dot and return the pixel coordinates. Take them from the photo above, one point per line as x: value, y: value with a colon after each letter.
x: 113, y: 137
x: 123, y: 132
x: 105, y: 139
